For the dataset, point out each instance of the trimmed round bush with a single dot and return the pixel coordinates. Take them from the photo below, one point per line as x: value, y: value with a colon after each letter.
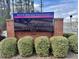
x: 67, y: 35
x: 25, y: 46
x: 8, y: 47
x: 42, y: 45
x: 73, y: 43
x: 0, y: 49
x: 59, y: 45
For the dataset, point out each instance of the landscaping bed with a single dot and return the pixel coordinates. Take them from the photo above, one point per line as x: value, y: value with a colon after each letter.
x: 42, y: 46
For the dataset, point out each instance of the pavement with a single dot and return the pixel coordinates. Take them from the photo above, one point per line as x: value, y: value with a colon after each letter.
x: 69, y: 56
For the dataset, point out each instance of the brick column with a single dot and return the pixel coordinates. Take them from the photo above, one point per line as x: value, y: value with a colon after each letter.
x: 10, y: 28
x: 58, y: 26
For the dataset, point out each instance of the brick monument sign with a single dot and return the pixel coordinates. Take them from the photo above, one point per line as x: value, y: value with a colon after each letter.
x: 34, y: 24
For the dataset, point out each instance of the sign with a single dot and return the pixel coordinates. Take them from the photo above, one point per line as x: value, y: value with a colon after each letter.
x: 46, y: 27
x: 34, y: 15
x: 34, y: 21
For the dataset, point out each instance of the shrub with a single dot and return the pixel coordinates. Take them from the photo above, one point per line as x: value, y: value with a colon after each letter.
x: 25, y: 46
x: 42, y: 46
x: 0, y: 49
x: 67, y: 35
x: 8, y: 47
x: 73, y: 43
x: 59, y: 46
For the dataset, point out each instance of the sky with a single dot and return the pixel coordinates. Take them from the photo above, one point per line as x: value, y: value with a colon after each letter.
x: 61, y: 8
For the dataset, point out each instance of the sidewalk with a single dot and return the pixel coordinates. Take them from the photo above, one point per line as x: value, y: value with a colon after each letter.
x: 70, y: 56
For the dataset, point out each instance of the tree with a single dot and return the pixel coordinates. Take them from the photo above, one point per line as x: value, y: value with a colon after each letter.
x: 8, y: 9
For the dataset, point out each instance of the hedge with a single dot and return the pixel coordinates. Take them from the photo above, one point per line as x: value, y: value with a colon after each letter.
x: 59, y: 46
x: 0, y: 48
x: 73, y: 43
x: 67, y: 35
x: 42, y: 45
x: 25, y: 46
x: 8, y: 47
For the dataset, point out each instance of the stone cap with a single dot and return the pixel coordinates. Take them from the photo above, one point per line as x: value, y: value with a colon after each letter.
x: 58, y: 18
x: 7, y: 20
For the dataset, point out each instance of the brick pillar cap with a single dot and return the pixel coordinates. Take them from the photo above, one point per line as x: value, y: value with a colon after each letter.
x: 7, y: 20
x: 58, y: 18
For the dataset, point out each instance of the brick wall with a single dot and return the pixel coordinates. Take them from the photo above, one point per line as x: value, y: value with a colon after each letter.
x: 58, y: 26
x: 33, y: 34
x: 10, y: 28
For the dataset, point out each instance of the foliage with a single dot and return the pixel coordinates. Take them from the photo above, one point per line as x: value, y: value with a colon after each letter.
x: 68, y: 34
x: 25, y: 46
x: 59, y: 46
x: 1, y: 20
x: 73, y: 43
x: 8, y: 47
x: 42, y: 45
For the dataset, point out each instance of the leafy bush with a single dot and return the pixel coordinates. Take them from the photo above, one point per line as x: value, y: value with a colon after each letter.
x: 8, y: 47
x: 42, y: 45
x: 73, y: 43
x: 1, y: 20
x: 59, y: 46
x: 0, y: 49
x: 68, y: 34
x: 25, y: 46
